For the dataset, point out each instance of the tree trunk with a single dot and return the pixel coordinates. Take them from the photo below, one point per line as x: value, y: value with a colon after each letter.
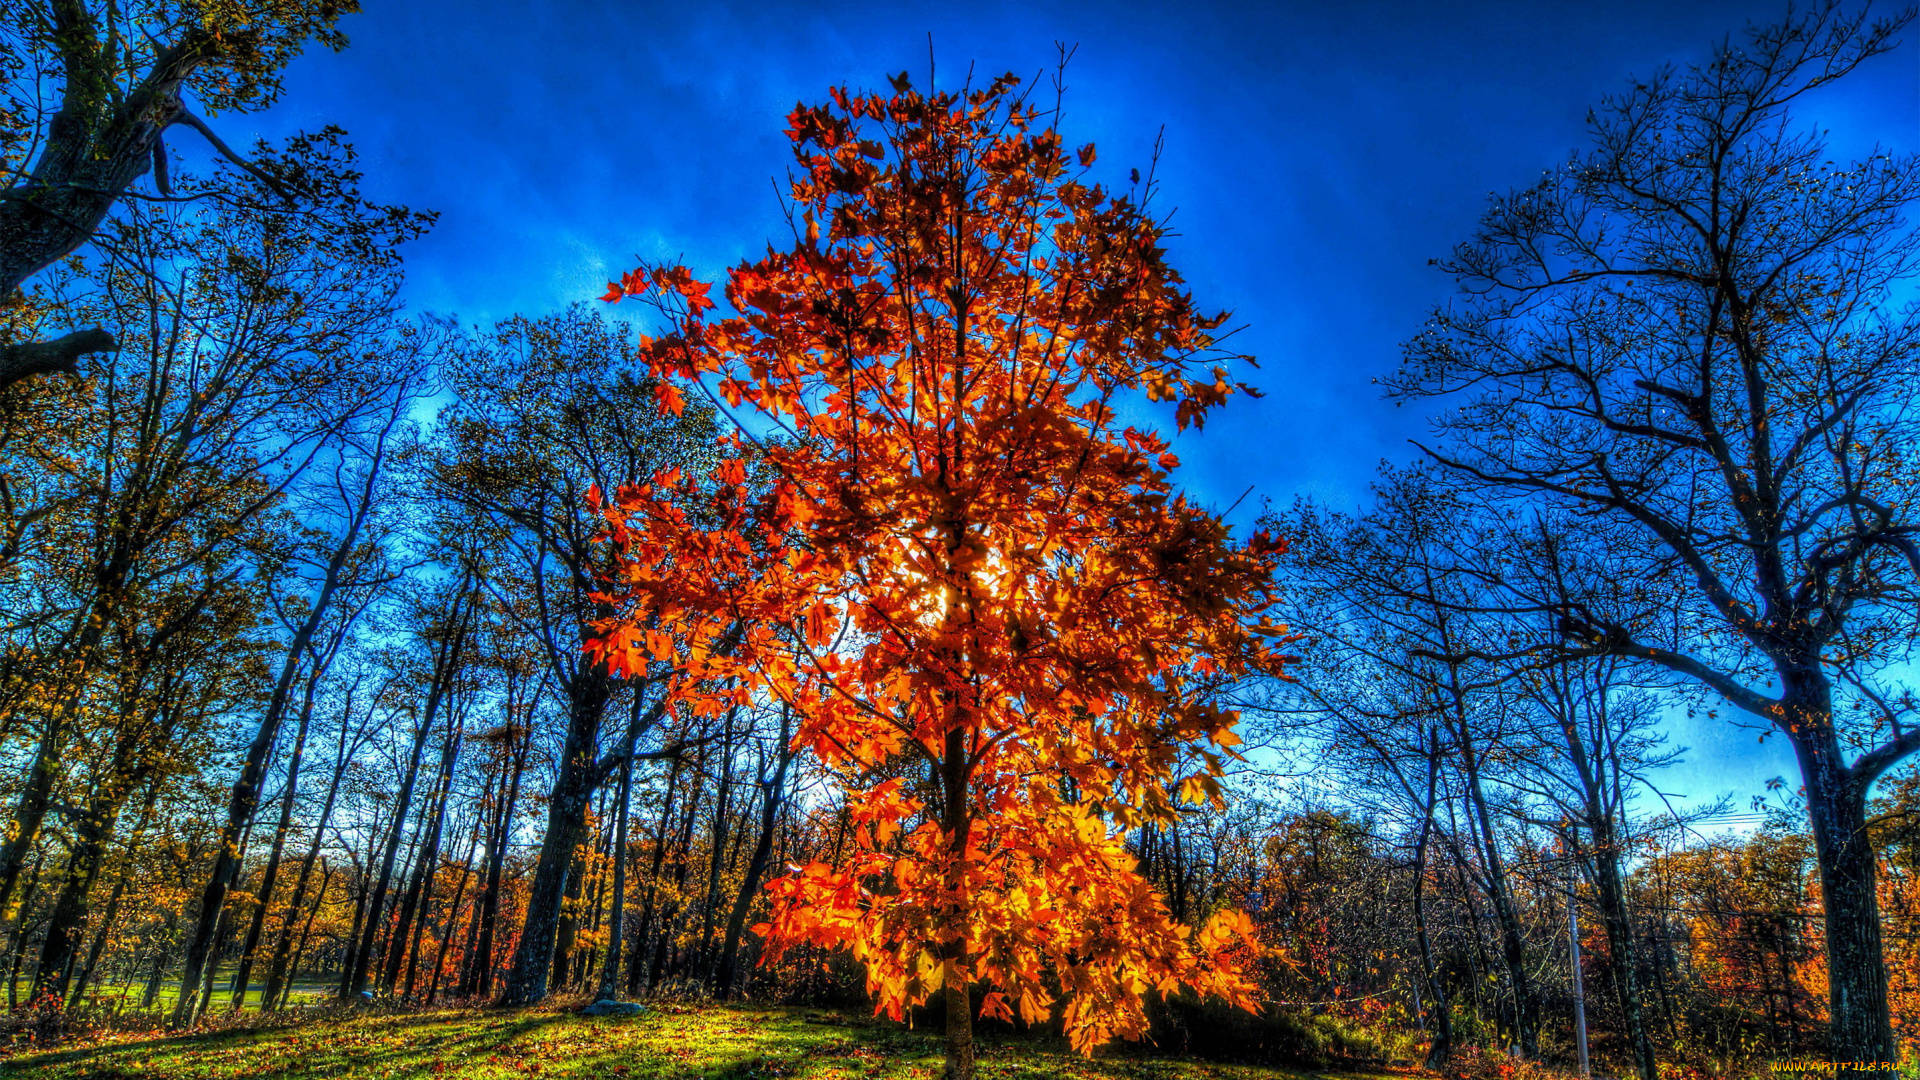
x: 362, y: 957
x: 566, y: 929
x: 645, y: 929
x: 277, y: 968
x: 319, y: 899
x: 1526, y: 1002
x: 616, y: 931
x: 480, y: 966
x: 1439, y: 1011
x: 1610, y: 883
x: 18, y: 943
x: 716, y: 864
x: 246, y: 789
x: 264, y: 900
x: 445, y: 666
x: 453, y: 915
x: 682, y: 862
x: 566, y: 827
x: 36, y: 793
x: 772, y: 793
x: 425, y: 862
x: 957, y: 823
x: 1861, y: 1029
x: 91, y: 834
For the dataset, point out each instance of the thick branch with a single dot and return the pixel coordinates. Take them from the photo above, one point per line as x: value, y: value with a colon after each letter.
x: 61, y: 356
x: 199, y: 125
x: 1883, y: 757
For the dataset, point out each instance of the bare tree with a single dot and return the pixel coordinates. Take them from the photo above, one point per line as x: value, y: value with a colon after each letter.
x: 1681, y: 339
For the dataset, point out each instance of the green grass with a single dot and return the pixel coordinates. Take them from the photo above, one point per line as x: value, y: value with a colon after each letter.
x: 306, y: 991
x: 666, y: 1043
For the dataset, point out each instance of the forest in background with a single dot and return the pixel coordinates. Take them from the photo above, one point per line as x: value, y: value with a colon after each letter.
x: 300, y: 697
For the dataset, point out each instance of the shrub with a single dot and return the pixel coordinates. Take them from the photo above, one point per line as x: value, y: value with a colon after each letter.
x: 1211, y: 1029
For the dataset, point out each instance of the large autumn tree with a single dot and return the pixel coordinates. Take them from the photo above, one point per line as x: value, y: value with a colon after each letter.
x: 975, y: 586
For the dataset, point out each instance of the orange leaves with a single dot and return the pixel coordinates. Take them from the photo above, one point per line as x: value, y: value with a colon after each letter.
x: 663, y: 279
x: 1229, y: 926
x: 696, y: 294
x: 669, y: 398
x: 957, y: 566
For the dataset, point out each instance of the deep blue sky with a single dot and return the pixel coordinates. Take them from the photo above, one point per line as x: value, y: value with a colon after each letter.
x: 1319, y: 153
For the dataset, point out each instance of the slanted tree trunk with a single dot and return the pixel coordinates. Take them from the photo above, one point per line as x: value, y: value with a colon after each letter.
x: 1526, y: 1000
x: 355, y: 982
x: 716, y: 864
x: 277, y: 968
x: 682, y: 863
x: 111, y: 914
x: 92, y: 833
x: 427, y: 860
x: 80, y: 648
x: 1440, y: 1014
x: 616, y: 929
x: 637, y: 970
x: 246, y: 789
x: 306, y: 933
x: 264, y: 900
x: 453, y: 916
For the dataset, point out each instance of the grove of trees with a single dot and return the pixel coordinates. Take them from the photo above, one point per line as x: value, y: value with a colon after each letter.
x: 838, y: 631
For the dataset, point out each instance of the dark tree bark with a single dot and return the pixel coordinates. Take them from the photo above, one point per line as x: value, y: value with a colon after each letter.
x: 616, y: 928
x: 246, y: 789
x: 111, y: 913
x: 567, y: 804
x: 716, y: 863
x: 60, y: 356
x: 453, y: 916
x: 636, y: 970
x: 277, y: 967
x: 1439, y: 1012
x: 668, y: 923
x: 92, y: 832
x: 107, y: 131
x: 306, y: 932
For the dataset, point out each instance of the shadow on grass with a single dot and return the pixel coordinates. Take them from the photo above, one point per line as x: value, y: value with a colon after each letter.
x: 292, y: 1032
x: 667, y: 1043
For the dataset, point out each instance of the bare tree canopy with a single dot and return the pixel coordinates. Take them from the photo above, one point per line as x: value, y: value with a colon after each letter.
x: 1685, y: 342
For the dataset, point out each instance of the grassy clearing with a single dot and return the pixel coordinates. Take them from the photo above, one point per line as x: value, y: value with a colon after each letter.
x: 667, y: 1043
